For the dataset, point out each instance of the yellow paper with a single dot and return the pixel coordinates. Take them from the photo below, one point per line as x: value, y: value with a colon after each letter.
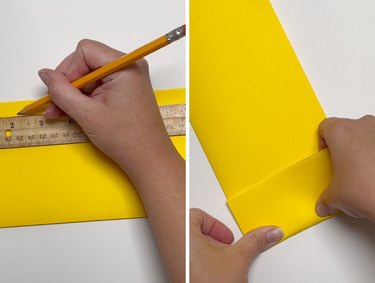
x: 287, y: 198
x: 252, y: 106
x: 68, y: 183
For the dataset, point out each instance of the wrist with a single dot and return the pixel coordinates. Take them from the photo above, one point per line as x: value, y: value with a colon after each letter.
x: 147, y: 167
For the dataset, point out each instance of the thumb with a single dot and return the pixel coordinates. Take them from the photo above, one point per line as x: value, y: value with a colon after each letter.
x: 67, y: 97
x: 325, y: 205
x: 257, y: 241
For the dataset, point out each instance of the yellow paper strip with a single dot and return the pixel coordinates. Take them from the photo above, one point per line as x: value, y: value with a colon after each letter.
x: 68, y: 183
x: 252, y: 106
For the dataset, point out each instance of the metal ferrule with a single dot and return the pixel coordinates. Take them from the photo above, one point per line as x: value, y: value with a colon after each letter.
x: 176, y: 34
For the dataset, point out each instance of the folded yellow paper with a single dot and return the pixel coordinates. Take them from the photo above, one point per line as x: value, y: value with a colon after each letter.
x: 252, y: 106
x: 68, y: 183
x: 287, y: 198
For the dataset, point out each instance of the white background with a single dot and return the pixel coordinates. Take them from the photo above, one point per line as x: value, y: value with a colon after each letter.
x: 335, y: 42
x: 40, y: 33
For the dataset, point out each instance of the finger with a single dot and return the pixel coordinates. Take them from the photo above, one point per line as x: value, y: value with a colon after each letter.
x: 63, y: 68
x: 89, y: 55
x: 325, y: 126
x: 53, y: 111
x: 257, y: 241
x: 326, y: 204
x: 211, y: 226
x: 67, y: 97
x: 64, y: 65
x: 329, y: 203
x: 333, y: 129
x: 90, y: 88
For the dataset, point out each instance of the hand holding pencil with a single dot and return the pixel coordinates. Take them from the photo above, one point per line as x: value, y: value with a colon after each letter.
x: 111, y: 67
x: 121, y: 117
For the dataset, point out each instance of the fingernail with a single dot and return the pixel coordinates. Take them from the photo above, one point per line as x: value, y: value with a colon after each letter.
x: 44, y: 77
x: 322, y: 209
x: 274, y: 235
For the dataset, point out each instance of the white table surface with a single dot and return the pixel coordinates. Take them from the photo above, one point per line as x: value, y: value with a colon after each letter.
x: 335, y: 42
x: 40, y: 33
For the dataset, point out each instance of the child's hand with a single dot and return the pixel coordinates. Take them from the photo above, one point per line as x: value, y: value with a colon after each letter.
x: 119, y: 114
x: 352, y: 147
x: 214, y: 259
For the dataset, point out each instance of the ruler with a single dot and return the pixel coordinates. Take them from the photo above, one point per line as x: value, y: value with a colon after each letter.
x: 36, y: 130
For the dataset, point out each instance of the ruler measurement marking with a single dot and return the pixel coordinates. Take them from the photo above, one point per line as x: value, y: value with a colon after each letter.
x: 36, y: 130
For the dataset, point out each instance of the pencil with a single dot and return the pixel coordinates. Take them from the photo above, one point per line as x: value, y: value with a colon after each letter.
x: 110, y: 68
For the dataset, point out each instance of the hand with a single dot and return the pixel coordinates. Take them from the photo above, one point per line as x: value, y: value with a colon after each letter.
x: 119, y: 114
x: 351, y: 144
x: 214, y: 259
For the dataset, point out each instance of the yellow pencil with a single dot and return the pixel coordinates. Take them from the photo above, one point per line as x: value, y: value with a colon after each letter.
x: 110, y: 68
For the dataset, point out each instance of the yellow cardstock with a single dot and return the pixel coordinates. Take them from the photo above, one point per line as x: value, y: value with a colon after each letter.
x: 68, y: 183
x: 252, y: 106
x: 286, y: 198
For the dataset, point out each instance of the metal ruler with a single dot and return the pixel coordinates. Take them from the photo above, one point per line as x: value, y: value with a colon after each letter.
x: 36, y: 130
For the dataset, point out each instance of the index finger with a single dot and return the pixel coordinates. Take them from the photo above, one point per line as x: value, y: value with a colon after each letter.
x: 324, y: 128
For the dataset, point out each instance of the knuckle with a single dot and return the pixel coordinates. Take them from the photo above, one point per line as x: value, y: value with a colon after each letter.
x: 53, y: 87
x: 259, y: 241
x: 143, y: 64
x: 84, y: 42
x: 368, y: 117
